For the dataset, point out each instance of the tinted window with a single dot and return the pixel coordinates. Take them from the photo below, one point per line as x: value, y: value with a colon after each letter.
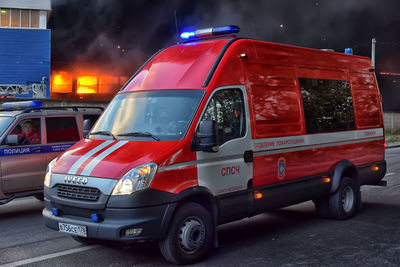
x: 61, y: 129
x: 28, y: 132
x: 227, y: 109
x: 328, y: 105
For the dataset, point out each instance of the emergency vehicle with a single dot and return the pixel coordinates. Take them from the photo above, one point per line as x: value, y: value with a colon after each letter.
x: 213, y: 130
x: 30, y: 137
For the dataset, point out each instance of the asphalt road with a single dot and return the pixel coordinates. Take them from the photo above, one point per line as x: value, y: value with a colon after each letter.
x: 291, y: 236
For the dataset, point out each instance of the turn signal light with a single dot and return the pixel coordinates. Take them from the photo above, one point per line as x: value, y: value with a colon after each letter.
x: 326, y: 179
x: 374, y: 168
x: 257, y: 195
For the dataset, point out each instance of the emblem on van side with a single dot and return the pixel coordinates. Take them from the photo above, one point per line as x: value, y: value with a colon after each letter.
x: 281, y: 168
x: 70, y: 179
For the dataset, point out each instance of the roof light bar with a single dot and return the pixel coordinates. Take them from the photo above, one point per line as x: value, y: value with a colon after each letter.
x: 348, y: 51
x: 22, y: 105
x: 210, y: 32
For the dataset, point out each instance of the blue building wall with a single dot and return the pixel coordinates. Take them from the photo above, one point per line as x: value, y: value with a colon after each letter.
x: 25, y: 56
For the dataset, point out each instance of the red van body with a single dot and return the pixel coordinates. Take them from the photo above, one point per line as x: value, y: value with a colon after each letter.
x: 271, y: 125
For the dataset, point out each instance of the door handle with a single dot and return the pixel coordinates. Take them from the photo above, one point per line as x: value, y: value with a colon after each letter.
x: 248, y: 156
x: 37, y: 149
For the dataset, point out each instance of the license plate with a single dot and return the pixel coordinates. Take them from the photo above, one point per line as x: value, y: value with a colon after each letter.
x: 72, y: 229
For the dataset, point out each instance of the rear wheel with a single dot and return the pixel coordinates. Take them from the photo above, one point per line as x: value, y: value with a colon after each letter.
x: 322, y: 207
x: 190, y: 235
x: 343, y: 204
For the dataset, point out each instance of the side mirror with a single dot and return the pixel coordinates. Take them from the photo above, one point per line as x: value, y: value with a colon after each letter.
x: 87, y: 125
x: 12, y: 139
x: 206, y: 138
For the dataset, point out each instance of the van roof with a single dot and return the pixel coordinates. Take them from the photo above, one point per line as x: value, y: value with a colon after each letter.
x: 194, y: 65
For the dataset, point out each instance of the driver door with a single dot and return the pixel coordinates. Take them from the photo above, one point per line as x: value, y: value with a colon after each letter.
x: 22, y: 164
x: 226, y: 173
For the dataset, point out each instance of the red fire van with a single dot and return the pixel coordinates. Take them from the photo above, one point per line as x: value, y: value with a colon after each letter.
x: 214, y: 130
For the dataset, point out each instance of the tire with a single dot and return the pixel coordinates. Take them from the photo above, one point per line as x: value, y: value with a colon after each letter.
x: 85, y: 240
x: 190, y: 235
x: 39, y: 197
x: 322, y: 207
x: 344, y: 203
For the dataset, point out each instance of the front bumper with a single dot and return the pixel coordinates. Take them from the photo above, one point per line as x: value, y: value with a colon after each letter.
x: 152, y: 220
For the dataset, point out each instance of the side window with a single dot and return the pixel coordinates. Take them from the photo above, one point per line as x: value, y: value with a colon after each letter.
x: 227, y: 108
x: 28, y: 131
x: 61, y: 129
x: 328, y: 105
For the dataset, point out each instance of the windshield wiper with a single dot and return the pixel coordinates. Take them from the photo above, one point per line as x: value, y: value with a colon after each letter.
x: 141, y: 134
x: 103, y: 133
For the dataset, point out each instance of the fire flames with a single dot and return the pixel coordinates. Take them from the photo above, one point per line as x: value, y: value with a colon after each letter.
x: 78, y: 84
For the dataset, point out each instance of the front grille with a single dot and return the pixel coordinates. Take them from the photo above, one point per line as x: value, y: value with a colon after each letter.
x: 78, y: 192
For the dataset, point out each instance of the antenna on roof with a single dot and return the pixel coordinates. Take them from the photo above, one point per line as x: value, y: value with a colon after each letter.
x: 176, y: 27
x: 373, y: 52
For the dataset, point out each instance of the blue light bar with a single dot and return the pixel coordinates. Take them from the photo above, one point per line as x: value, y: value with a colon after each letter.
x: 210, y: 32
x: 348, y: 51
x: 22, y: 105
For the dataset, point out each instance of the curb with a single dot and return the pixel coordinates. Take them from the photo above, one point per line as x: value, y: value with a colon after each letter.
x: 392, y: 146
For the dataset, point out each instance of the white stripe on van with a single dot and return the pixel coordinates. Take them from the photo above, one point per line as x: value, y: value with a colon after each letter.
x: 92, y: 164
x: 294, y: 149
x: 271, y: 146
x: 267, y: 144
x: 75, y: 167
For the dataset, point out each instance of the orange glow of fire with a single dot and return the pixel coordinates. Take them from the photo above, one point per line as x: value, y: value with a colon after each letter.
x: 87, y: 84
x: 62, y: 83
x: 389, y: 73
x: 85, y: 81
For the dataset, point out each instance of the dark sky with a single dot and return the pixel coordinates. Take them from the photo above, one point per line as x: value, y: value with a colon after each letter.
x: 124, y: 33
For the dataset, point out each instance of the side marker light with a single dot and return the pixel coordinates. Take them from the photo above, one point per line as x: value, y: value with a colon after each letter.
x: 374, y: 168
x: 258, y: 195
x: 326, y: 179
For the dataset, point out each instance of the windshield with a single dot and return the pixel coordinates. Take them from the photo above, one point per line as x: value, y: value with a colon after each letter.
x: 4, y: 123
x: 150, y: 115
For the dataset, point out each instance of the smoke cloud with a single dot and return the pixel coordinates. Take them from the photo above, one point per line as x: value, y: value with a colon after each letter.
x: 122, y: 34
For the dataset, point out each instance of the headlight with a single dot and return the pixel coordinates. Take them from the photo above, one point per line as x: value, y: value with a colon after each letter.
x: 138, y: 178
x: 48, y: 172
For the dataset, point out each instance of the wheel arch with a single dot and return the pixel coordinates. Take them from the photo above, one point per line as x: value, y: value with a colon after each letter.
x: 343, y: 169
x: 198, y: 194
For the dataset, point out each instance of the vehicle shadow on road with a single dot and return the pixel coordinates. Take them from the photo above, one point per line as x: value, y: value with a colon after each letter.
x: 28, y: 208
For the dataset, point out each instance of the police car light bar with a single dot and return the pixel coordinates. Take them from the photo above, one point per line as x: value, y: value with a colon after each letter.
x: 210, y: 32
x: 22, y: 105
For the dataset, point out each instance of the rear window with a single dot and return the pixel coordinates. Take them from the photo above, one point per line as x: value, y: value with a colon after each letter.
x: 61, y: 129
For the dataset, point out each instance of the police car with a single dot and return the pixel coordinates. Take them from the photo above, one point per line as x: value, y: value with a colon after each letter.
x: 30, y: 137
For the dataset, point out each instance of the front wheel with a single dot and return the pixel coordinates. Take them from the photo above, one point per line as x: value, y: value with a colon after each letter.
x: 85, y: 240
x: 190, y: 235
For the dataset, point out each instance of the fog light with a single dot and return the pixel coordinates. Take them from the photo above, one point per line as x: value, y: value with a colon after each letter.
x: 133, y: 231
x: 55, y: 211
x: 96, y: 217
